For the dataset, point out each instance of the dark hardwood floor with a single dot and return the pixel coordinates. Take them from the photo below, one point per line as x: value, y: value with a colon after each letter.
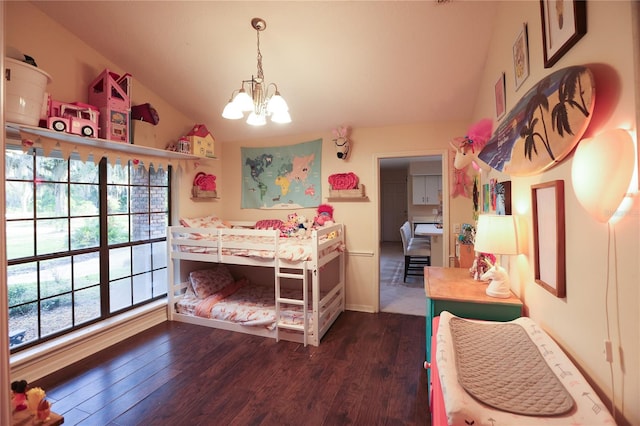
x: 366, y: 371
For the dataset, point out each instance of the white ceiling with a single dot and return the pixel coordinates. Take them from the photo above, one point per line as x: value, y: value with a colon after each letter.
x: 355, y: 63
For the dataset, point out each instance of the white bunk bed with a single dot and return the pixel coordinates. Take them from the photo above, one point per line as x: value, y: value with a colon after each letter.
x: 298, y: 266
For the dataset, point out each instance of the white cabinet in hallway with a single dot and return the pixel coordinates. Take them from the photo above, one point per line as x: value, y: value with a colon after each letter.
x: 426, y: 189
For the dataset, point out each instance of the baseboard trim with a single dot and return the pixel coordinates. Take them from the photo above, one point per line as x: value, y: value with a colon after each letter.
x: 35, y: 363
x: 360, y: 308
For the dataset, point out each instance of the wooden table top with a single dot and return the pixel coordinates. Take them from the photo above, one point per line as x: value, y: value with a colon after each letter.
x: 457, y: 284
x: 428, y: 229
x: 25, y: 418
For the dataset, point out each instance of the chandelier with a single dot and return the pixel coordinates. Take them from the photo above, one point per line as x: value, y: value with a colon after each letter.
x: 254, y: 97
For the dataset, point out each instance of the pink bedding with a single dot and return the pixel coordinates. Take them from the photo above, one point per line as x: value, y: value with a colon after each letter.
x: 250, y: 304
x: 291, y: 249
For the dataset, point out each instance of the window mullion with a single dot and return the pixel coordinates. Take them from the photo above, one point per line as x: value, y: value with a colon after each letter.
x: 104, y: 240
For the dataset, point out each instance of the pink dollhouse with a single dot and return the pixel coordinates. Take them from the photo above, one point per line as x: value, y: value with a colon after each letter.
x: 111, y: 94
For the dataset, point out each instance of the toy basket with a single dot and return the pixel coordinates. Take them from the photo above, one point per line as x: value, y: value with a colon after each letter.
x: 204, y: 186
x: 25, y: 88
x: 347, y: 193
x: 201, y: 193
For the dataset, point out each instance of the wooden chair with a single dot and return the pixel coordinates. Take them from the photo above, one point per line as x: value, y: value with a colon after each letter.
x: 417, y: 252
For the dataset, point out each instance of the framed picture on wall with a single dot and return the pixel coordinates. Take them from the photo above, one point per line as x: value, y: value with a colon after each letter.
x: 521, y: 57
x: 486, y: 197
x: 547, y: 203
x: 501, y: 100
x: 563, y: 24
x: 503, y: 197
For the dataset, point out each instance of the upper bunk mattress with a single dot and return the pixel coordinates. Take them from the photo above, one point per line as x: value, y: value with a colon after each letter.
x: 291, y: 249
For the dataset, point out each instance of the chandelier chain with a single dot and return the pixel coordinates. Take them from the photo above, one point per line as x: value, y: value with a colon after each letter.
x: 260, y: 72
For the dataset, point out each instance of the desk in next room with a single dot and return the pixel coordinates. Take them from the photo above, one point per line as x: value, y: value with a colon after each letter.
x: 453, y: 290
x: 432, y: 231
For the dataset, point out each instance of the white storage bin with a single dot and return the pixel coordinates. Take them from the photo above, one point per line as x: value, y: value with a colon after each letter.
x: 25, y: 92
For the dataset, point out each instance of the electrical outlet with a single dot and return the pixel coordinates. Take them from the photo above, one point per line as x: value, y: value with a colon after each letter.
x: 608, y: 351
x: 456, y: 228
x: 434, y: 211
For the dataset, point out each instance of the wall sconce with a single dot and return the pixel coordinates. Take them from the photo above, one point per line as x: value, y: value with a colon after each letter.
x: 601, y: 173
x: 496, y: 234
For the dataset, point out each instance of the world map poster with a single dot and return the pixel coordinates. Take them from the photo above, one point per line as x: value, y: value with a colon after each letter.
x: 283, y: 177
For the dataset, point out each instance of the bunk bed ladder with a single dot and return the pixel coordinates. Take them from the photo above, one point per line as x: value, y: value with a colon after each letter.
x: 302, y: 275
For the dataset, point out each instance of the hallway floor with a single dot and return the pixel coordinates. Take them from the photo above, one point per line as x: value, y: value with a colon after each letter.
x: 397, y: 296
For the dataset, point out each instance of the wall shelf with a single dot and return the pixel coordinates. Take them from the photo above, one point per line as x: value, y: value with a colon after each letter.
x: 15, y: 131
x: 199, y: 199
x: 357, y: 194
x: 350, y: 199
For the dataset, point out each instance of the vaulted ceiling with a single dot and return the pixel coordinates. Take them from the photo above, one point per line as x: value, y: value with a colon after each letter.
x: 356, y: 63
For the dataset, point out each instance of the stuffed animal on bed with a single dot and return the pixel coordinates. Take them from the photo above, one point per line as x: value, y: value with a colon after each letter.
x: 304, y: 226
x: 324, y: 216
x: 291, y: 226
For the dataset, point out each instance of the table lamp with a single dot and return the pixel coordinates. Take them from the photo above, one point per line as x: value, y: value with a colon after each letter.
x: 496, y: 234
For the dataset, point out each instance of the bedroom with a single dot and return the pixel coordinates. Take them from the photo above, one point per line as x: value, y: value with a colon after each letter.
x: 578, y: 322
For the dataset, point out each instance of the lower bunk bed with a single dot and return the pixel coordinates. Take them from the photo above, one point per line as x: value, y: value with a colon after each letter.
x: 255, y: 281
x: 506, y: 373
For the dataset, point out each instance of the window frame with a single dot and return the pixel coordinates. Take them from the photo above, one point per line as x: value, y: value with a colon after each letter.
x: 102, y: 249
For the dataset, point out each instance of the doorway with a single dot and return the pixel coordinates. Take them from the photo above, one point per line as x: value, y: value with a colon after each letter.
x: 396, y: 205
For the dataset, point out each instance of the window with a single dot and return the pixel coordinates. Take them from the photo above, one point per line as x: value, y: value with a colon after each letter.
x: 85, y: 241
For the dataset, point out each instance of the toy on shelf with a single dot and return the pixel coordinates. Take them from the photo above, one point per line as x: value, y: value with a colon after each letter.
x: 146, y: 113
x: 111, y: 94
x: 345, y: 185
x: 204, y: 186
x: 75, y: 117
x: 201, y: 141
x: 19, y: 395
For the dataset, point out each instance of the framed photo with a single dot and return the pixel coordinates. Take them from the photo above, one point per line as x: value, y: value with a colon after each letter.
x: 521, y: 57
x: 501, y: 101
x: 503, y: 198
x: 547, y: 201
x: 563, y: 24
x: 486, y: 198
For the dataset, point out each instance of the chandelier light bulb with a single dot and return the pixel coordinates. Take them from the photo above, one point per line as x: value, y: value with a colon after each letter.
x: 256, y: 119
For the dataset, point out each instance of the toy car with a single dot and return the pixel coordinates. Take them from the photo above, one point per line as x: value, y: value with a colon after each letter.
x: 76, y: 117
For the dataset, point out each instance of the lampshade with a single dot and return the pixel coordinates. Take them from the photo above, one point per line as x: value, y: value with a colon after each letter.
x: 277, y: 104
x: 256, y: 119
x: 232, y: 112
x: 496, y: 234
x: 601, y: 172
x: 243, y: 101
x: 281, y: 117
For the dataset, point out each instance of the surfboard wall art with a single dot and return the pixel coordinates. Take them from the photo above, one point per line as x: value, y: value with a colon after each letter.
x: 545, y: 125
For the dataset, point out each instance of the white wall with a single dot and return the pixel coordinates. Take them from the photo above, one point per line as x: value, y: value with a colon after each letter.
x: 602, y: 267
x: 361, y: 219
